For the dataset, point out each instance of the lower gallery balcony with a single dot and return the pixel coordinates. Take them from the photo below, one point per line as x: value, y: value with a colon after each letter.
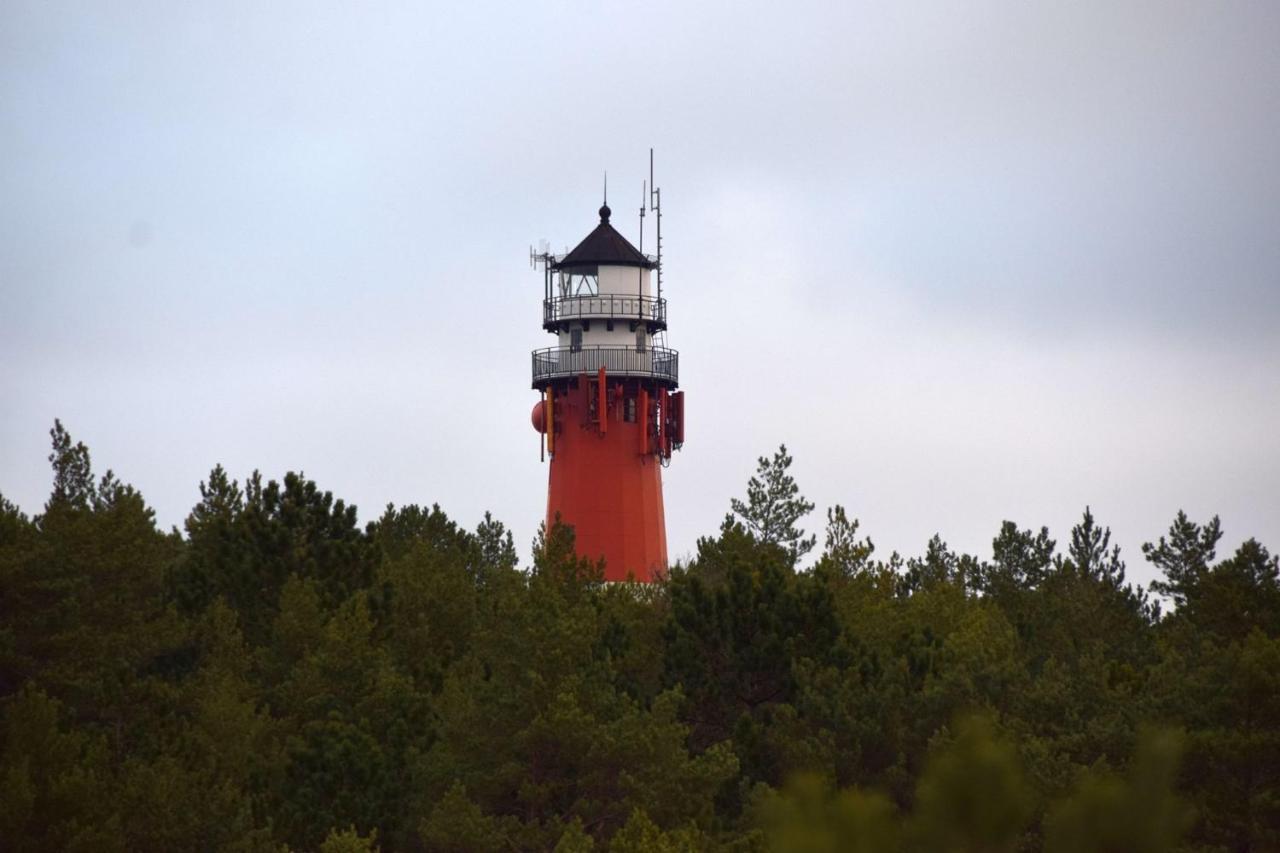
x: 657, y: 363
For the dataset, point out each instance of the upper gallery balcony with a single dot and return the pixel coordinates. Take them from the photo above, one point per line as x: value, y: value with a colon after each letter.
x: 611, y: 306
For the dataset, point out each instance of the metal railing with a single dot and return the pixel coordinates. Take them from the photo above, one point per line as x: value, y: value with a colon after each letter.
x: 610, y: 306
x: 562, y: 362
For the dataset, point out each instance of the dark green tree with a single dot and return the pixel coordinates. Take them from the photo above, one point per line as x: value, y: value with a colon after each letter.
x: 1184, y: 557
x: 281, y: 676
x: 1021, y: 559
x: 1139, y: 812
x: 73, y: 485
x: 87, y: 617
x: 844, y: 554
x: 741, y: 623
x: 497, y: 546
x: 972, y: 795
x: 57, y: 780
x: 244, y: 544
x: 1236, y: 596
x: 939, y: 566
x: 1091, y: 553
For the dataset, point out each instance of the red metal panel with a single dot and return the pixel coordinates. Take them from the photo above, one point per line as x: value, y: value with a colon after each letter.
x: 551, y: 421
x: 602, y: 402
x: 664, y: 412
x: 642, y: 415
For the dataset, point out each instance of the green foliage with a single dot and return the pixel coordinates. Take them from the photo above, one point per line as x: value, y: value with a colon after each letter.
x: 1228, y: 698
x: 1021, y: 559
x: 1089, y: 555
x: 972, y: 795
x: 844, y: 554
x: 575, y: 839
x: 497, y: 547
x: 336, y: 773
x: 740, y: 619
x: 1139, y: 812
x: 73, y: 485
x: 457, y: 823
x: 243, y: 545
x: 1184, y: 557
x: 642, y: 835
x: 83, y: 605
x: 809, y: 817
x: 57, y: 780
x: 774, y: 505
x: 277, y: 678
x: 1235, y: 597
x: 349, y: 841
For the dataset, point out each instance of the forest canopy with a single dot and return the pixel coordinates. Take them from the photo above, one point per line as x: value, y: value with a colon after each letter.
x: 276, y: 677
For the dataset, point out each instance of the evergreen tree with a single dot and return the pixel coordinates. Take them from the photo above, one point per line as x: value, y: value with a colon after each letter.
x: 1236, y: 596
x: 279, y: 678
x: 1091, y: 553
x: 1184, y: 557
x: 774, y: 505
x: 73, y: 485
x: 1021, y: 559
x: 1139, y: 812
x: 844, y: 554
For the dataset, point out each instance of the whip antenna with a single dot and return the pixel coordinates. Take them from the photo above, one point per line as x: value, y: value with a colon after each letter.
x: 655, y: 205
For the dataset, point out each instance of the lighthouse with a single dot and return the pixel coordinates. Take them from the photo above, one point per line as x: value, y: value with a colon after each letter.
x: 609, y: 413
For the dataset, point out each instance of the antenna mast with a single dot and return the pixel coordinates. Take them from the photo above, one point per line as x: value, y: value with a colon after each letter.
x: 544, y: 257
x: 655, y: 204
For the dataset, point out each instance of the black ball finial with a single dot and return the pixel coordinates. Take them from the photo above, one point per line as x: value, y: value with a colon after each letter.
x: 604, y: 215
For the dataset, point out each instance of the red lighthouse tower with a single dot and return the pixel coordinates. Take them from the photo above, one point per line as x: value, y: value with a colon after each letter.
x: 609, y: 413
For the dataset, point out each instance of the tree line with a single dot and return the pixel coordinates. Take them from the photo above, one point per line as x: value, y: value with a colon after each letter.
x: 276, y: 677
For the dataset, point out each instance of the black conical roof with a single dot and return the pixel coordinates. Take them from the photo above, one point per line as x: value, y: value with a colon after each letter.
x: 604, y: 247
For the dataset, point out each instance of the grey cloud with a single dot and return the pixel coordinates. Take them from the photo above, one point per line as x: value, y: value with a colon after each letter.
x: 968, y: 261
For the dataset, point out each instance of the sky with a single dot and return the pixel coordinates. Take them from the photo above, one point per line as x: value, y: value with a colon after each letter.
x: 970, y: 261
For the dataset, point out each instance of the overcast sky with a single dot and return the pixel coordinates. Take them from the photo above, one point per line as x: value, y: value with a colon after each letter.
x: 971, y: 262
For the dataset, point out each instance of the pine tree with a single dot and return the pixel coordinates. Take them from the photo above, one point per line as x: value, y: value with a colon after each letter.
x: 774, y: 505
x: 1184, y: 557
x: 1092, y: 553
x: 844, y: 553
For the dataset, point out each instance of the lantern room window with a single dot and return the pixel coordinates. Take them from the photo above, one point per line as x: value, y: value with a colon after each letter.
x: 579, y: 283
